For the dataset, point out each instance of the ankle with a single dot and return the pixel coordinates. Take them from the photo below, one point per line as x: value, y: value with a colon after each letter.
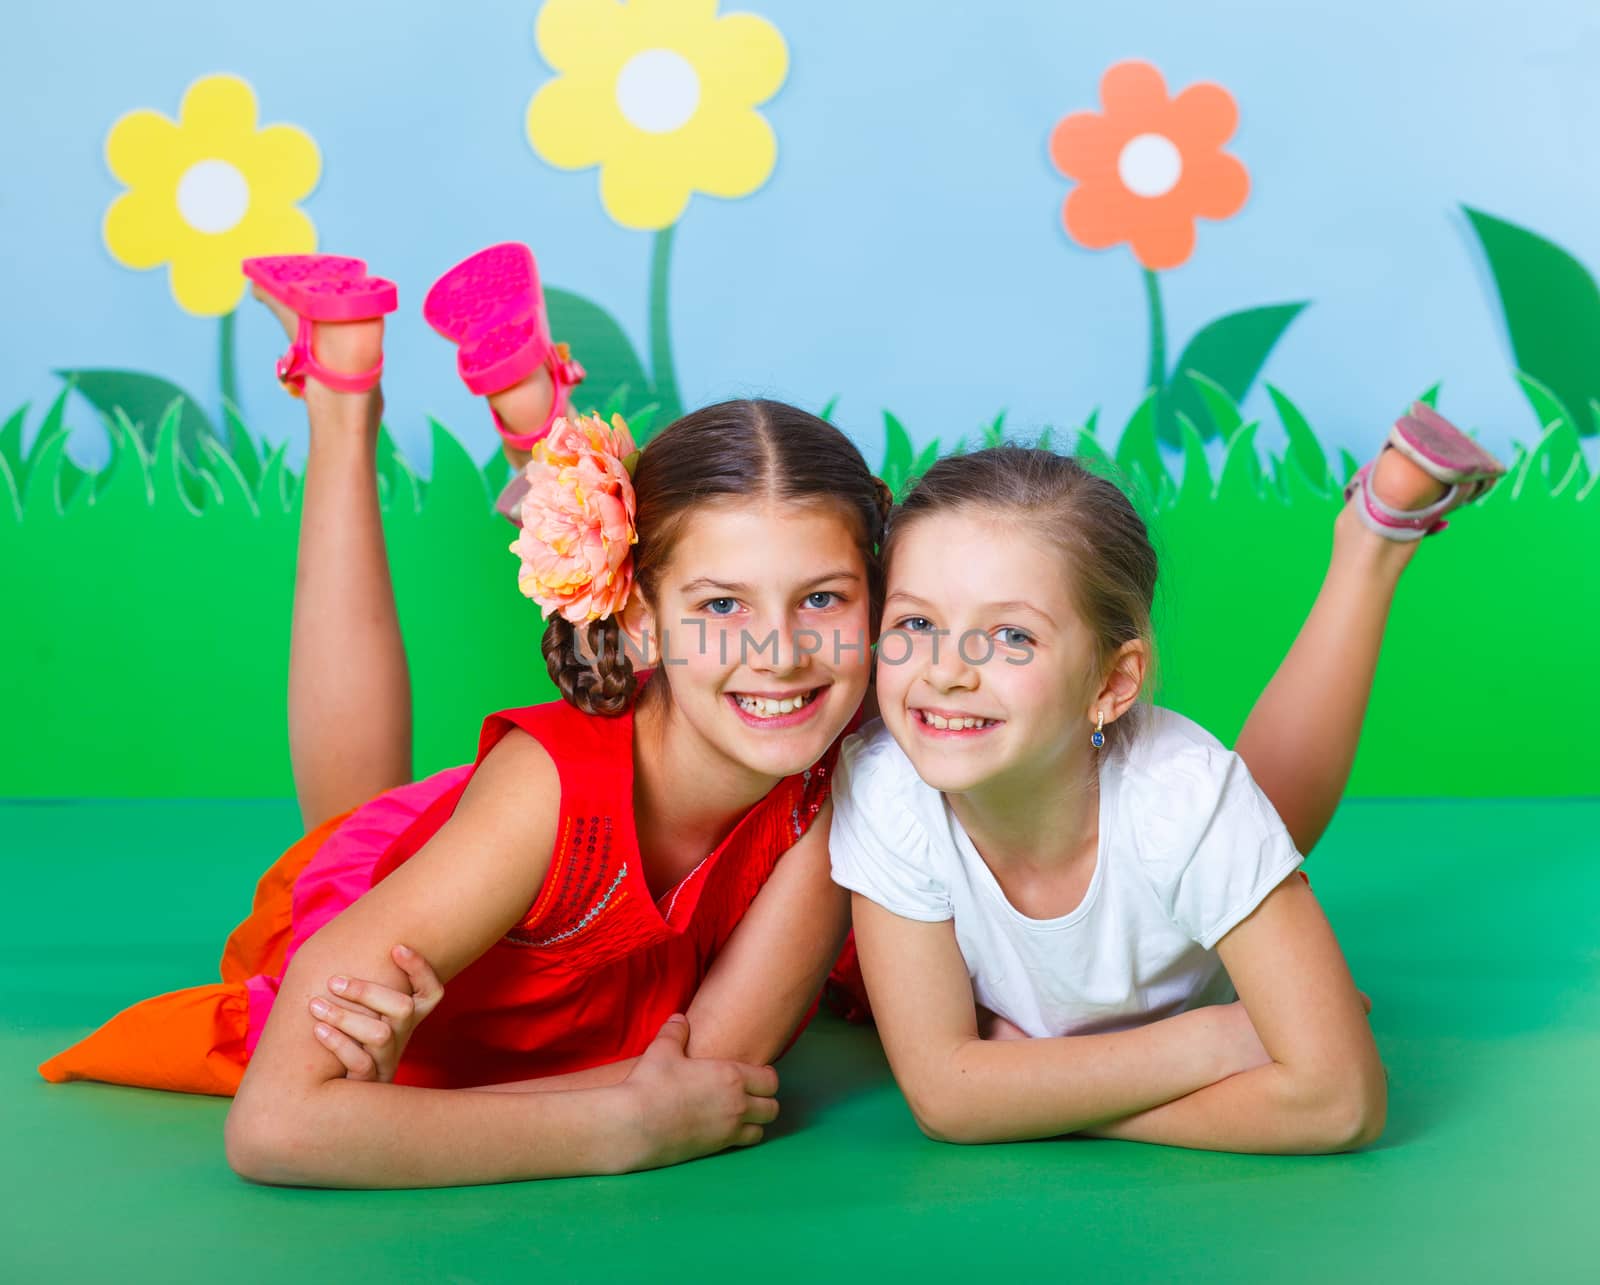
x: 523, y: 408
x: 1360, y: 551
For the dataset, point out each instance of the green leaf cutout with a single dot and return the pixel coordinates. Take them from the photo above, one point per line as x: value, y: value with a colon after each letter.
x: 1230, y: 352
x: 1551, y: 307
x: 602, y: 347
x: 144, y: 399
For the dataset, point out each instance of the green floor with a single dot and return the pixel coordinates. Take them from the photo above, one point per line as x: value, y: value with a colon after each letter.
x: 1474, y: 926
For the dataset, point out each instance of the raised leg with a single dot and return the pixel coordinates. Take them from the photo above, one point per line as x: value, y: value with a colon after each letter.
x: 1301, y: 737
x: 349, y: 689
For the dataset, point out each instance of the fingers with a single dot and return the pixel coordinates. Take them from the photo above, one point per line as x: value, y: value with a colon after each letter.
x: 359, y: 1024
x: 760, y: 1110
x: 1366, y: 1002
x: 761, y: 1081
x: 748, y: 1135
x: 380, y: 999
x: 358, y: 1063
x: 426, y: 988
x: 673, y: 1037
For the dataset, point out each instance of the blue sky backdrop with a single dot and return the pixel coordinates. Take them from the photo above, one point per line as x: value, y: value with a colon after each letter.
x: 907, y: 253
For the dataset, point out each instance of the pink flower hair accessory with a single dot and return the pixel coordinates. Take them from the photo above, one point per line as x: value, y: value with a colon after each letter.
x: 578, y: 530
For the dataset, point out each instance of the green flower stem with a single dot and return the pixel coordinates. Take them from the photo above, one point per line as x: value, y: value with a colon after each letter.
x: 1157, y: 378
x: 666, y: 377
x: 230, y: 380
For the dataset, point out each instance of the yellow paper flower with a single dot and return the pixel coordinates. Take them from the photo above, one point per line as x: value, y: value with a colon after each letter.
x: 661, y: 94
x: 208, y: 190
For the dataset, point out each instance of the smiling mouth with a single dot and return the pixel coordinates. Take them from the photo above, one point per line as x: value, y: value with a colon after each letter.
x: 775, y: 707
x: 954, y: 722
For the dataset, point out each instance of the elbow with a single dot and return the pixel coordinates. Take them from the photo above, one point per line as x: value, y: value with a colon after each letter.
x: 941, y: 1119
x: 264, y: 1147
x: 1352, y: 1114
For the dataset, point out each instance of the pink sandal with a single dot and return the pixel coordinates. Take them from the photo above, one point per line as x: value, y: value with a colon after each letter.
x: 492, y: 308
x: 1441, y: 450
x: 322, y: 287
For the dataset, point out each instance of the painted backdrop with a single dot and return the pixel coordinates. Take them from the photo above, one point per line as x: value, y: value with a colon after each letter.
x: 1220, y: 248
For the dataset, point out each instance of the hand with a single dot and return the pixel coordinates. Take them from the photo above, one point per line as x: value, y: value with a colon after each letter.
x: 991, y: 1026
x: 366, y: 1026
x: 689, y: 1107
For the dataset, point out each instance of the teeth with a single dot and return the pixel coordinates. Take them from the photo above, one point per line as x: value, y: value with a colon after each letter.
x: 942, y: 723
x: 764, y: 707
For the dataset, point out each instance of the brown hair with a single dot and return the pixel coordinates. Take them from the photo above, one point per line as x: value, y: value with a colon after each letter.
x: 749, y: 450
x: 1084, y: 515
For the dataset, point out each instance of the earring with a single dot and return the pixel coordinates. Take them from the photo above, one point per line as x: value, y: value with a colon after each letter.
x: 1099, y: 737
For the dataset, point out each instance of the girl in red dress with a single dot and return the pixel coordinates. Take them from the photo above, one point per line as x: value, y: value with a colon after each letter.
x: 628, y: 890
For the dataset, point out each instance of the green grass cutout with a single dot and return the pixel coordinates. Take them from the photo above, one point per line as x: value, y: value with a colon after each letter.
x: 148, y: 603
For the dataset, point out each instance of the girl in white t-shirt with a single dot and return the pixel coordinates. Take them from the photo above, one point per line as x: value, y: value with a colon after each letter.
x: 1034, y: 854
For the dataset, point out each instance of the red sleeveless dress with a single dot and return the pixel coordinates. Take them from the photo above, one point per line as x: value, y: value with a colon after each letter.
x: 586, y: 977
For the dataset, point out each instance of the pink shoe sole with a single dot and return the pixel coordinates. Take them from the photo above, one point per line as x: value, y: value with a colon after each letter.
x: 491, y: 306
x: 1443, y: 451
x: 322, y: 287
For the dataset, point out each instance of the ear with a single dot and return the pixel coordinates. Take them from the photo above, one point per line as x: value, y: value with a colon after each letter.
x: 1124, y: 680
x: 638, y: 623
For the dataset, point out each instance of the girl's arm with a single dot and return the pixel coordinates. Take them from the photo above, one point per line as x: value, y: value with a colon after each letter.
x: 747, y: 1008
x: 965, y: 1089
x: 297, y: 1120
x: 1324, y: 1088
x: 772, y: 967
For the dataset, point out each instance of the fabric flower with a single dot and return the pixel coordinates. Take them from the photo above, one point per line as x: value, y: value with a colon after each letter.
x: 577, y: 537
x: 660, y: 94
x: 1149, y: 166
x: 208, y: 190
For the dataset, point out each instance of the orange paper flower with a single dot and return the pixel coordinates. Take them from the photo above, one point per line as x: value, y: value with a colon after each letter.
x: 1149, y: 165
x: 577, y: 537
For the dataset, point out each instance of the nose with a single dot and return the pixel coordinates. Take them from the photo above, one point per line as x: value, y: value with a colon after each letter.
x: 784, y: 649
x: 948, y: 669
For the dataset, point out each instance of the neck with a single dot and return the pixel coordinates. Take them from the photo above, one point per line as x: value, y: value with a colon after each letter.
x: 687, y: 798
x: 1044, y: 819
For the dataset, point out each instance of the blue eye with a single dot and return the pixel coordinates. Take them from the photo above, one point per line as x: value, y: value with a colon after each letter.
x: 822, y: 599
x: 915, y: 624
x: 721, y: 606
x: 1011, y: 636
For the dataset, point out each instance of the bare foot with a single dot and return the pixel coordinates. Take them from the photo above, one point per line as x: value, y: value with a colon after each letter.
x: 348, y: 347
x: 1400, y: 484
x: 523, y: 408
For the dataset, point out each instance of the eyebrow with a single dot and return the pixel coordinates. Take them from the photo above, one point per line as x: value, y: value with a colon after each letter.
x: 701, y: 583
x: 1013, y: 605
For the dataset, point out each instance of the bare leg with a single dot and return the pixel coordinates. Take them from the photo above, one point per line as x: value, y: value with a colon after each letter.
x: 1300, y: 739
x: 522, y: 408
x: 349, y: 691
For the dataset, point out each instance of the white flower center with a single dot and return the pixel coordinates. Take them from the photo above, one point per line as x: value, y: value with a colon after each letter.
x: 1150, y: 165
x: 658, y: 91
x: 213, y: 196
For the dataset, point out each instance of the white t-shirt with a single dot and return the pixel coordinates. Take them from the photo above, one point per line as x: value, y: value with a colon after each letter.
x: 1189, y: 846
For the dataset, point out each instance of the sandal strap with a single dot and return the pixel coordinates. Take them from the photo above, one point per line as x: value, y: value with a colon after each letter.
x: 566, y: 373
x: 1403, y: 525
x: 298, y: 364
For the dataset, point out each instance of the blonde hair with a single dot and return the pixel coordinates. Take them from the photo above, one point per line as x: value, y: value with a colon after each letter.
x: 1086, y: 516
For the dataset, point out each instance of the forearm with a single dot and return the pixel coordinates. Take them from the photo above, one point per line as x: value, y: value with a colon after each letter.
x: 1269, y: 1110
x: 1011, y: 1090
x: 593, y: 1077
x: 343, y: 1133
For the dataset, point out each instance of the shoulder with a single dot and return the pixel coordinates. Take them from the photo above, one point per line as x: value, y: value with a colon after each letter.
x: 1173, y: 779
x: 885, y: 838
x: 877, y: 767
x: 517, y: 785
